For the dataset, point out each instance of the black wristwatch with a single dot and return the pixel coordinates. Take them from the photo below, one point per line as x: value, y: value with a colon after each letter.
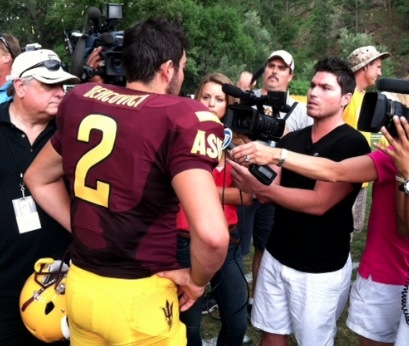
x: 404, y: 187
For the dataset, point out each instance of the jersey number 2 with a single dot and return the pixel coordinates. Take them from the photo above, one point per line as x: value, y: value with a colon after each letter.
x: 100, y: 194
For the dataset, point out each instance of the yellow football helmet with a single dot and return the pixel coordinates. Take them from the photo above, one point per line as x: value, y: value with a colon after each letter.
x: 42, y: 301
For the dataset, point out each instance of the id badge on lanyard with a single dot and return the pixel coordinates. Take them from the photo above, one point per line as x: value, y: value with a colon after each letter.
x: 26, y: 213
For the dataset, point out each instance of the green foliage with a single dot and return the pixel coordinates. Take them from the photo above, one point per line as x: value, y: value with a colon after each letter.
x: 321, y: 24
x: 299, y: 87
x: 228, y: 36
x: 349, y: 41
x: 404, y: 46
x: 307, y: 71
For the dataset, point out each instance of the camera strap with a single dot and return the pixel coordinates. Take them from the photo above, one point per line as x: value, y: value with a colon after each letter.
x: 291, y: 110
x: 78, y: 56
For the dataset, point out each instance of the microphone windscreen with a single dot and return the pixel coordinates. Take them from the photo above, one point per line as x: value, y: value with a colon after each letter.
x: 231, y: 90
x: 107, y: 38
x: 94, y: 14
x: 400, y: 86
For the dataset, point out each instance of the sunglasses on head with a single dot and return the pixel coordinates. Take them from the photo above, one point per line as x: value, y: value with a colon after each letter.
x: 6, y: 45
x: 52, y: 65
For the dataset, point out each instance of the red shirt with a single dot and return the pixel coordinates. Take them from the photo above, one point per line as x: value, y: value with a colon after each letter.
x: 230, y: 211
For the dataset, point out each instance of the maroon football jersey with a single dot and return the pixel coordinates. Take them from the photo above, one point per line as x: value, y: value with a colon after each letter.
x: 121, y: 149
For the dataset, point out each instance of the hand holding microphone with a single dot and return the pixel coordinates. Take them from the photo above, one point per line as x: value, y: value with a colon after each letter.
x: 264, y: 174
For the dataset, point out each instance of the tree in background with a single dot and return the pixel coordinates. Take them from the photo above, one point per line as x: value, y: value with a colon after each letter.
x: 233, y: 35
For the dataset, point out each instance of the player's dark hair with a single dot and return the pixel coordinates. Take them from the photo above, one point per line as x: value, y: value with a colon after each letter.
x: 148, y: 44
x: 340, y: 68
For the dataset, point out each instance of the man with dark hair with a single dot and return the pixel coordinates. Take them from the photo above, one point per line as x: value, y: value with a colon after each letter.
x: 305, y: 272
x: 9, y: 50
x: 131, y: 154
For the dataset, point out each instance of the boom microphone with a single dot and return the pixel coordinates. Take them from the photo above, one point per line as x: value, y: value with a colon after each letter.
x: 94, y: 15
x: 400, y: 86
x: 257, y: 74
x: 238, y: 93
x: 93, y: 19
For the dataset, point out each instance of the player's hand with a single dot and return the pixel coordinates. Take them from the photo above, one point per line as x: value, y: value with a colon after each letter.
x: 188, y: 291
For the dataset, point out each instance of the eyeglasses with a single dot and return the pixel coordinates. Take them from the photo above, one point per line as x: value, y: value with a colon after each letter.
x: 52, y: 65
x: 6, y: 45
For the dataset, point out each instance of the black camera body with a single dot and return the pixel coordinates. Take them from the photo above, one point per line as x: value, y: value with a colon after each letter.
x: 99, y: 31
x: 254, y: 122
x: 377, y: 110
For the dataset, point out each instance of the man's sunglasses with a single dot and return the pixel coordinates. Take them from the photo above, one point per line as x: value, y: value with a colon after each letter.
x: 52, y: 65
x: 6, y: 45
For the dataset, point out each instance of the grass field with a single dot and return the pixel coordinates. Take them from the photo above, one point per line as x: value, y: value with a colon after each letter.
x: 210, y: 325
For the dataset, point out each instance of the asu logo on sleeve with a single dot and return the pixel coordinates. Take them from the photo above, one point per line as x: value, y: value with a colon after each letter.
x: 207, y: 143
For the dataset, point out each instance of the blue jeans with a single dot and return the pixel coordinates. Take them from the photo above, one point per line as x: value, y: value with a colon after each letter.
x: 230, y: 291
x: 255, y: 220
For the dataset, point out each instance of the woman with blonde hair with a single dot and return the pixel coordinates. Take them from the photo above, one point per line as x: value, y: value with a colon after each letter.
x: 229, y: 285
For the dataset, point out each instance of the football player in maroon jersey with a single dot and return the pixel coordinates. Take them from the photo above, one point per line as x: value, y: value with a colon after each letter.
x: 131, y: 154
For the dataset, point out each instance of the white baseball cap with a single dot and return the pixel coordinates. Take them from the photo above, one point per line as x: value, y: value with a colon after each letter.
x: 285, y: 56
x: 43, y: 65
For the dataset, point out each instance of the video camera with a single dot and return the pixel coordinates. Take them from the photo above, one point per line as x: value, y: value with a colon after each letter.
x: 377, y: 110
x: 245, y: 119
x: 254, y: 123
x: 99, y: 30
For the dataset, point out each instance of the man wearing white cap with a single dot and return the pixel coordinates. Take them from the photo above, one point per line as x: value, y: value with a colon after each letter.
x: 278, y: 73
x: 366, y: 63
x: 258, y: 218
x: 26, y: 124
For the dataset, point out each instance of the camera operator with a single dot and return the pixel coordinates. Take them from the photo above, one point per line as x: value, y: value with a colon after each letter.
x: 277, y: 76
x: 94, y: 61
x: 307, y: 253
x: 366, y: 63
x: 9, y: 50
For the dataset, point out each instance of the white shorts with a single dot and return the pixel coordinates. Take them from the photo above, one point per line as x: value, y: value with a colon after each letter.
x: 289, y: 301
x: 403, y: 332
x: 374, y: 309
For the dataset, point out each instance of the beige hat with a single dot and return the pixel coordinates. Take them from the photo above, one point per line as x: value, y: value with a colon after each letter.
x: 43, y: 65
x: 287, y: 58
x: 362, y: 56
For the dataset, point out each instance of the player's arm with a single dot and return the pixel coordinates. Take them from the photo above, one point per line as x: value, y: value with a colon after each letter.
x: 44, y: 178
x: 208, y: 227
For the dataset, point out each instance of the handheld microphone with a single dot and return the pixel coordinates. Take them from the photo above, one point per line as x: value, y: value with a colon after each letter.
x: 264, y: 174
x: 400, y: 86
